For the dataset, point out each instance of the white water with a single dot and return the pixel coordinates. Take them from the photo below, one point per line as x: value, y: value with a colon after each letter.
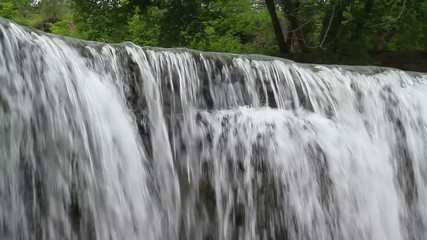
x: 119, y: 142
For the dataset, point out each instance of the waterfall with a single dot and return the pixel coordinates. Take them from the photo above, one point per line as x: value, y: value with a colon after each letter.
x: 119, y: 142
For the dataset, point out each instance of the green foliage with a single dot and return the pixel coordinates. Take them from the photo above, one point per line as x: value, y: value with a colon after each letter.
x: 7, y: 10
x: 66, y: 27
x: 146, y: 30
x: 328, y: 29
x: 390, y: 26
x: 237, y: 27
x: 102, y: 20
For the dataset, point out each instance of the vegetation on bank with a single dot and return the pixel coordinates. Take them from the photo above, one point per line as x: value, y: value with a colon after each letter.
x: 342, y: 31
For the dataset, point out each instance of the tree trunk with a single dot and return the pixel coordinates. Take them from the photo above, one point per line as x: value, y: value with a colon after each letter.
x: 332, y: 25
x: 361, y: 21
x: 290, y: 11
x: 280, y: 38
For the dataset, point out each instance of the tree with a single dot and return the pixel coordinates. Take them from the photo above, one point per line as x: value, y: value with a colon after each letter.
x: 7, y: 10
x: 284, y: 46
x: 291, y: 10
x: 11, y: 8
x: 102, y: 20
x: 321, y: 28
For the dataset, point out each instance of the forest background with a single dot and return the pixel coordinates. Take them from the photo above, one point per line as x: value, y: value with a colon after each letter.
x: 362, y: 32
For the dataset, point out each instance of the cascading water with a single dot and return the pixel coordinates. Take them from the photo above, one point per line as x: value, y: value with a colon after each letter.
x: 120, y: 142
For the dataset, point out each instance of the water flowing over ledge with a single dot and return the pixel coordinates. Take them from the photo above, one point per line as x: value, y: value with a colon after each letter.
x: 103, y: 141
